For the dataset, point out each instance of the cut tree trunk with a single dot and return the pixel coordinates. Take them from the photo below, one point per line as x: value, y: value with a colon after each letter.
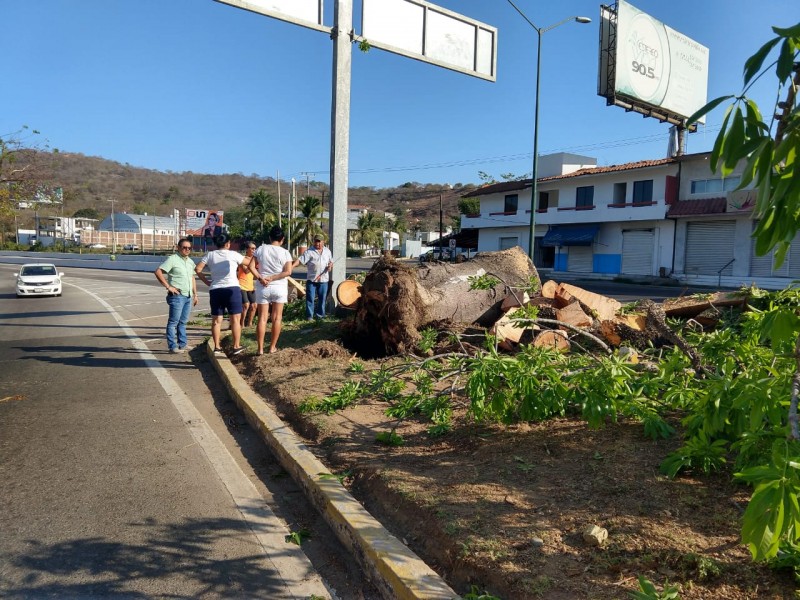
x: 398, y: 300
x: 691, y: 306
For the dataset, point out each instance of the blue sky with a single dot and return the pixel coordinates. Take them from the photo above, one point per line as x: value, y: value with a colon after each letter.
x: 196, y: 85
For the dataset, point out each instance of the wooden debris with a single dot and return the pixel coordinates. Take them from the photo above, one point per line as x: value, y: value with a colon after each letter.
x: 506, y: 330
x: 691, y: 306
x: 549, y: 289
x: 552, y: 339
x: 573, y: 314
x: 397, y: 301
x: 515, y: 300
x: 298, y: 287
x: 602, y: 307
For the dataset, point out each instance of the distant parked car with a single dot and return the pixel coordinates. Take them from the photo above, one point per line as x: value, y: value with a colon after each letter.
x: 435, y: 254
x: 96, y: 246
x: 130, y: 247
x: 38, y: 279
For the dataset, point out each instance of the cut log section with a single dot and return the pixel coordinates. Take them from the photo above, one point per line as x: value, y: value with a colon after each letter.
x: 552, y: 339
x: 691, y: 306
x: 602, y: 307
x: 397, y: 301
x: 573, y: 314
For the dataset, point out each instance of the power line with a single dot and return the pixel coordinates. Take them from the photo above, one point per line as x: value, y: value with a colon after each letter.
x: 621, y: 143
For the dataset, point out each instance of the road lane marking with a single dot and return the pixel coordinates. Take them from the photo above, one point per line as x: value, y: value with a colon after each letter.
x: 289, y: 561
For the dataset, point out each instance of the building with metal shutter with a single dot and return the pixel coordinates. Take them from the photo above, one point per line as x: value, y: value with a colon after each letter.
x: 669, y: 217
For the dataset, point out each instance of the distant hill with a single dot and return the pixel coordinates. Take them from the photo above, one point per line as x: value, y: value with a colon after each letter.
x: 91, y: 182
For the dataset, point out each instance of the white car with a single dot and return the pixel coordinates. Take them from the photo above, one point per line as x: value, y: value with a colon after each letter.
x: 38, y: 279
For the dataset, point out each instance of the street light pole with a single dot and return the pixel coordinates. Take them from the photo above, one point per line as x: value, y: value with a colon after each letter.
x: 534, y: 187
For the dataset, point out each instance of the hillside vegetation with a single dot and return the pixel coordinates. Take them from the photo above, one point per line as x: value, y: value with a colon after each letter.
x: 92, y: 182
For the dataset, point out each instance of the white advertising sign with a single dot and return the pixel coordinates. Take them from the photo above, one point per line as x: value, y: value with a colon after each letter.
x: 307, y: 13
x: 433, y: 34
x: 658, y: 65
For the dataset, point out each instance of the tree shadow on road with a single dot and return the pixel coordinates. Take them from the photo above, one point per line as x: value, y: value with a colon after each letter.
x: 189, y: 559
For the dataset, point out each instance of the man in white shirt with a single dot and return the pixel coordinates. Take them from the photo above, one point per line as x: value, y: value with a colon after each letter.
x: 319, y: 262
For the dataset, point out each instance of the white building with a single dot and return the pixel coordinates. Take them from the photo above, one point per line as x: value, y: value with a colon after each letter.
x: 653, y: 218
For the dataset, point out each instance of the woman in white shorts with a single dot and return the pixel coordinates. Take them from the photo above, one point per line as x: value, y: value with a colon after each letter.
x: 272, y: 289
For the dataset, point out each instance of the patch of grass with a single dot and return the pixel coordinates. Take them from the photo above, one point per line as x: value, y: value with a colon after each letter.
x: 538, y: 586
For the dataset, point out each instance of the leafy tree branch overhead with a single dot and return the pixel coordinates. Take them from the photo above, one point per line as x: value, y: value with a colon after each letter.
x: 769, y: 145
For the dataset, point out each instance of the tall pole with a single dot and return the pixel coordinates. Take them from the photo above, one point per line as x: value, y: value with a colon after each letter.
x: 441, y: 228
x: 532, y: 231
x: 113, y: 230
x: 278, y: 179
x: 534, y: 188
x: 340, y: 133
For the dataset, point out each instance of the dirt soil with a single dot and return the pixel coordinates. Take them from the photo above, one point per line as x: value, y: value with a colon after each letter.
x: 505, y: 508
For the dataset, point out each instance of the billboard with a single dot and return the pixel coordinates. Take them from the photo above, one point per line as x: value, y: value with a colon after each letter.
x: 648, y: 67
x: 430, y: 33
x: 204, y: 223
x: 307, y: 13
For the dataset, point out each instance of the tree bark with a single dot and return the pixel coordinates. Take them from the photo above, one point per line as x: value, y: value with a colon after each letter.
x: 398, y: 300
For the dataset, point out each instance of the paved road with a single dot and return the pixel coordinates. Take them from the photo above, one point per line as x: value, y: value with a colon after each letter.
x: 125, y: 470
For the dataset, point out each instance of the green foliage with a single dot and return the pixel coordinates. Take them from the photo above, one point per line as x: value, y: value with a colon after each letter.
x: 298, y: 537
x: 86, y: 213
x: 771, y: 164
x: 474, y: 593
x: 389, y: 438
x: 364, y: 46
x: 427, y: 339
x: 648, y: 591
x: 262, y: 214
x: 308, y: 224
x: 699, y: 453
x: 482, y: 282
x: 355, y: 367
x: 469, y: 206
x: 345, y: 396
x: 369, y: 230
x: 773, y: 514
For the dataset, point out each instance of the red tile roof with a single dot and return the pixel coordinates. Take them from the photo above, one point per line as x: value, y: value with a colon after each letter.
x: 508, y: 186
x: 642, y: 164
x: 707, y: 206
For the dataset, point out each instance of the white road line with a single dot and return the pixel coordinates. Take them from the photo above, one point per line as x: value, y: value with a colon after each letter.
x: 290, y: 563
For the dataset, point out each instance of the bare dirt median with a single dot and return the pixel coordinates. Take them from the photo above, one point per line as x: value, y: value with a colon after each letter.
x: 504, y: 508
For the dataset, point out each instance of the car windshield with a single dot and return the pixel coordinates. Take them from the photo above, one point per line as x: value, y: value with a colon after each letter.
x: 38, y: 270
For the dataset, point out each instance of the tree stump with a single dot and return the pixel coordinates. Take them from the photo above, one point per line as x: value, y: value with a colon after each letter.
x: 398, y: 300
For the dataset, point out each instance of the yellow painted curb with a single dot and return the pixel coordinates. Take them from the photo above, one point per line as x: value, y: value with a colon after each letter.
x: 395, y: 570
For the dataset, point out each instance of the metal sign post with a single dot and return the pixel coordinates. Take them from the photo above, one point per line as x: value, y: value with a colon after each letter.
x: 447, y: 39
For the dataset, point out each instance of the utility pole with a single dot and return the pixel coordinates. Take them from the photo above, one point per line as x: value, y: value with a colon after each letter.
x: 113, y: 230
x: 278, y: 179
x: 441, y: 227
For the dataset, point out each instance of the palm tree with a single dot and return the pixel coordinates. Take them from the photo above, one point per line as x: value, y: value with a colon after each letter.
x: 262, y: 213
x: 370, y: 230
x: 309, y: 222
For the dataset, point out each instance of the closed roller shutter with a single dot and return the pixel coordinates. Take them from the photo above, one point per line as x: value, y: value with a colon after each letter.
x: 709, y: 247
x: 637, y: 251
x: 580, y: 259
x: 761, y: 266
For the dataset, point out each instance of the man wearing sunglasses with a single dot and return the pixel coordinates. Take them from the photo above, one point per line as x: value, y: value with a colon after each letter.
x: 177, y: 275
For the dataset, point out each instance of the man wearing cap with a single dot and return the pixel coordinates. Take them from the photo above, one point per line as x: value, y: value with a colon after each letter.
x: 319, y: 262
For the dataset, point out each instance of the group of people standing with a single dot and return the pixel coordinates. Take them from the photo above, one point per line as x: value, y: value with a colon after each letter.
x: 245, y: 286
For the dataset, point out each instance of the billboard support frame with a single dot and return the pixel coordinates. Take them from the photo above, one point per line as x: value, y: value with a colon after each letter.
x: 607, y: 75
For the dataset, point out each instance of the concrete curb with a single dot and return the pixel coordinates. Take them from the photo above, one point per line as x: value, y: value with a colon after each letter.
x: 395, y: 570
